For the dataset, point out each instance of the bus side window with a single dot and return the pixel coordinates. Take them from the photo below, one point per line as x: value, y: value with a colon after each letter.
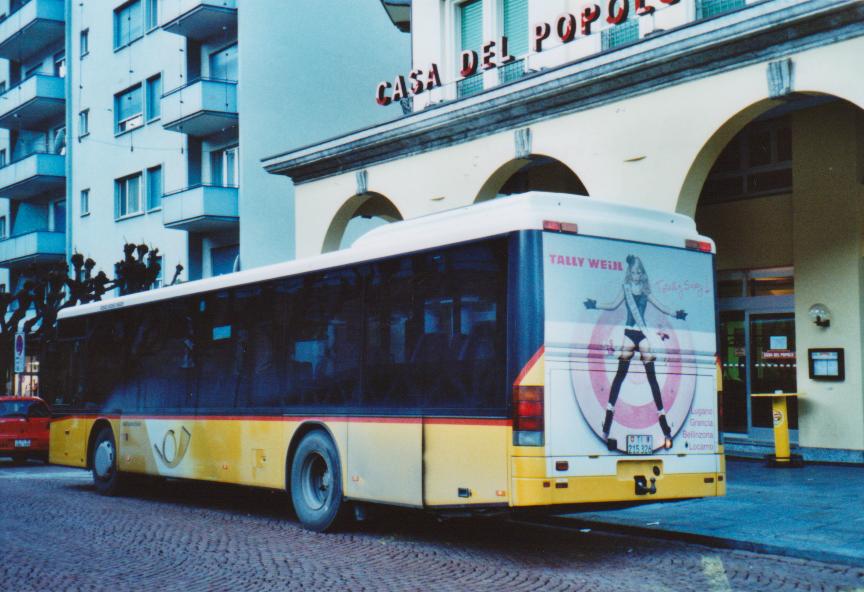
x: 107, y: 384
x: 460, y: 352
x: 260, y: 318
x: 325, y: 337
x: 389, y: 343
x: 217, y: 345
x: 161, y: 359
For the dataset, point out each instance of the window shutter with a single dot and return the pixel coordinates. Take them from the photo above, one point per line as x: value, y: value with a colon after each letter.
x: 471, y: 24
x: 516, y: 26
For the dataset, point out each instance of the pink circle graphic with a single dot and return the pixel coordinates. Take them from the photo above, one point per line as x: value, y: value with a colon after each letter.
x: 635, y: 412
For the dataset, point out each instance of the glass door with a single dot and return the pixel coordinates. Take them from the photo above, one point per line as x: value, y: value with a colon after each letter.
x: 773, y: 367
x: 733, y: 361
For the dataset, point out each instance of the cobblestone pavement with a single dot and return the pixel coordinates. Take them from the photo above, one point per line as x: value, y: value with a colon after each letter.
x: 56, y: 533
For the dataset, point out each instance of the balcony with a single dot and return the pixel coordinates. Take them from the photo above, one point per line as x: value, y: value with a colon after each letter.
x: 200, y: 20
x: 34, y: 101
x: 34, y: 247
x: 205, y: 107
x: 33, y: 175
x: 201, y: 208
x: 32, y: 28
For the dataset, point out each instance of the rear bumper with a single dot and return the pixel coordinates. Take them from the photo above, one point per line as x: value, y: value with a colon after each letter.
x: 528, y: 492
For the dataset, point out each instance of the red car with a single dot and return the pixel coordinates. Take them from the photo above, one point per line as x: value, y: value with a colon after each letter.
x: 24, y: 428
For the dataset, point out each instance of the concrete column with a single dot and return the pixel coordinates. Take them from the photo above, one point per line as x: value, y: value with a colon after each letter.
x: 827, y: 250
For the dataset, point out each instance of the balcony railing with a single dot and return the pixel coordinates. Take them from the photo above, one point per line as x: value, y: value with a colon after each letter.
x: 204, y: 107
x: 201, y: 208
x: 33, y: 175
x: 32, y: 28
x: 35, y: 100
x: 200, y: 20
x: 40, y: 246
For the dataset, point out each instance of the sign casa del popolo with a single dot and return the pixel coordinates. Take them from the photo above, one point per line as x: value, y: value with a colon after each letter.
x: 494, y: 54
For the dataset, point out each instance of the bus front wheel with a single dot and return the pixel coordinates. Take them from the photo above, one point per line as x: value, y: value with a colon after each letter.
x: 316, y: 483
x: 106, y: 477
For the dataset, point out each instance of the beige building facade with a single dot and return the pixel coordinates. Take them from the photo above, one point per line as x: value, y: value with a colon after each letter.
x: 750, y: 120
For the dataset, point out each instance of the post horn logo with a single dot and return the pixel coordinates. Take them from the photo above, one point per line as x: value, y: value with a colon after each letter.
x: 171, y: 454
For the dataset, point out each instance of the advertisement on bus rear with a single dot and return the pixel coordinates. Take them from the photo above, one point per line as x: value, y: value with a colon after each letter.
x: 630, y: 345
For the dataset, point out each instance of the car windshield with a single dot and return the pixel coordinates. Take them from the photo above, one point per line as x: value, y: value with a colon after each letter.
x: 14, y: 408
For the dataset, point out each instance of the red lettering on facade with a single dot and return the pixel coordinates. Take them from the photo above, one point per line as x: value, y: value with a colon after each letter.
x: 469, y: 63
x: 590, y: 14
x: 489, y: 55
x: 566, y: 27
x: 381, y: 94
x: 541, y: 34
x: 399, y: 89
x: 617, y: 17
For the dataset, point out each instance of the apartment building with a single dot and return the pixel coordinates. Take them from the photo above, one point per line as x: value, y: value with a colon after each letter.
x: 747, y: 115
x: 152, y: 94
x: 145, y: 121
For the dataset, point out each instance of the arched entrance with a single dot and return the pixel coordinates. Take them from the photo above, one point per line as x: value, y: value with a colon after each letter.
x: 356, y: 217
x: 534, y: 173
x: 780, y: 194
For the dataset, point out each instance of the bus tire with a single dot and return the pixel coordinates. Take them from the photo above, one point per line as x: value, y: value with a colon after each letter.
x: 316, y: 483
x: 106, y: 478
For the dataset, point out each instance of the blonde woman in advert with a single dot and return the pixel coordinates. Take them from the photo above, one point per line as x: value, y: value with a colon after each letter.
x: 635, y: 295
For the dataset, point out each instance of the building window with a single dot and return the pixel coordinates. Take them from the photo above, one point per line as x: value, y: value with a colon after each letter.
x: 60, y: 65
x: 84, y: 123
x: 2, y: 229
x: 222, y: 259
x: 127, y: 110
x: 515, y: 29
x: 757, y: 162
x: 128, y: 24
x: 58, y: 140
x: 223, y: 63
x: 58, y: 215
x: 159, y: 281
x: 32, y: 70
x: 154, y: 187
x: 154, y: 97
x: 127, y: 196
x: 2, y: 87
x: 3, y: 157
x: 85, y: 202
x: 470, y: 15
x: 152, y: 14
x: 224, y: 167
x: 84, y: 42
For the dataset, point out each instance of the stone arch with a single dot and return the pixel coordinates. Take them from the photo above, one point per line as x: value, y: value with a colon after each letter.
x: 359, y: 214
x: 535, y: 172
x: 697, y: 173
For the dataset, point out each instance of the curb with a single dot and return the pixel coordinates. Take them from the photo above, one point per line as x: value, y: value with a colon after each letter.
x: 701, y: 539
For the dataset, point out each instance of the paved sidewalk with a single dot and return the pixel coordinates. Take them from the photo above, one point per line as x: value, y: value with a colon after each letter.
x: 814, y: 513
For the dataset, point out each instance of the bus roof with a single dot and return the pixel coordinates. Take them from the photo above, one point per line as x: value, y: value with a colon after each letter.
x: 526, y: 211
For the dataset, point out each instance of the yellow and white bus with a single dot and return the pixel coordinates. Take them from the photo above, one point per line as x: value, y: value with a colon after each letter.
x: 539, y: 351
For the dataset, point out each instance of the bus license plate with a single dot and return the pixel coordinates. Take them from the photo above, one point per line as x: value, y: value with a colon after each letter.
x: 22, y: 443
x: 642, y: 444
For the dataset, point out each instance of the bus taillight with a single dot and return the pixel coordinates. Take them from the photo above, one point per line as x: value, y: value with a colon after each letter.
x: 528, y: 416
x: 696, y: 245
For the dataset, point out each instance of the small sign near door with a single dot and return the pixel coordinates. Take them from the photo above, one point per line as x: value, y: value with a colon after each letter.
x: 826, y: 364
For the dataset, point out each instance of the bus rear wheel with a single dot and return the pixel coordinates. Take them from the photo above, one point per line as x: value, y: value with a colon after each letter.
x: 106, y: 477
x: 316, y: 483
